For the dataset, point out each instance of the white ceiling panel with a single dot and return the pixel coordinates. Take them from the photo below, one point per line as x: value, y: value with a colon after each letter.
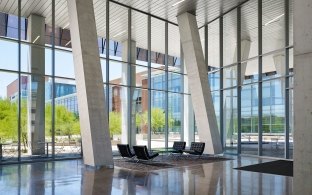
x: 205, y: 10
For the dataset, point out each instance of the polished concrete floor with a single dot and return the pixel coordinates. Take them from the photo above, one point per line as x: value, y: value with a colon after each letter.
x: 71, y: 177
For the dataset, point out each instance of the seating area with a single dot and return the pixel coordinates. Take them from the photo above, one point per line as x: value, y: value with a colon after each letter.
x: 142, y: 154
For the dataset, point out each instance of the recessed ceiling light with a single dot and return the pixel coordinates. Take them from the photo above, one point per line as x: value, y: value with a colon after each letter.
x: 177, y: 3
x: 36, y: 39
x: 68, y: 43
x: 122, y: 32
x: 114, y: 21
x: 274, y: 20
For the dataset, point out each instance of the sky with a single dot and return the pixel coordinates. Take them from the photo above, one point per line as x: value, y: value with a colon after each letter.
x: 64, y: 65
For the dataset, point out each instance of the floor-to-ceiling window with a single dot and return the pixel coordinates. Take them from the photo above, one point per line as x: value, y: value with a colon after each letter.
x: 256, y: 82
x: 144, y: 79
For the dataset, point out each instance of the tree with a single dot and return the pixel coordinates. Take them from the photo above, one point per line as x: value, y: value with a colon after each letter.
x: 157, y: 119
x: 8, y: 119
x: 114, y: 123
x: 66, y: 122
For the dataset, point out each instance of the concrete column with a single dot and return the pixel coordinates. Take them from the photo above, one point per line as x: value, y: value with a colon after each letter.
x: 96, y: 143
x: 198, y: 84
x: 36, y: 85
x: 302, y: 97
x: 128, y: 132
x: 188, y: 115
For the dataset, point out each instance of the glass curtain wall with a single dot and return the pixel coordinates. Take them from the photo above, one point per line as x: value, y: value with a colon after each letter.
x: 145, y: 78
x: 39, y: 109
x: 256, y: 82
x: 142, y: 78
x: 250, y: 74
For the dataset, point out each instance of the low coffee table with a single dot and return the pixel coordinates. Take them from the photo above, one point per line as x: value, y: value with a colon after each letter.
x: 163, y: 151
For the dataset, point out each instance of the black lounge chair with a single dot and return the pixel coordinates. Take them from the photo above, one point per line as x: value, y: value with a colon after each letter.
x: 197, y: 148
x: 178, y: 147
x: 125, y: 151
x: 142, y: 153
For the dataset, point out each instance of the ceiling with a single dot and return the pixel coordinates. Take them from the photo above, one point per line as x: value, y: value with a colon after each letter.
x: 205, y: 10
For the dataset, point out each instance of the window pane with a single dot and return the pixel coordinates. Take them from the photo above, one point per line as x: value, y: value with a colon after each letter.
x: 214, y: 80
x: 67, y: 126
x: 250, y: 71
x: 273, y: 65
x: 118, y: 73
x: 249, y: 30
x: 249, y: 120
x: 141, y: 76
x: 158, y: 119
x: 230, y: 120
x: 158, y: 79
x: 118, y: 31
x: 8, y: 112
x: 230, y: 76
x: 140, y: 110
x: 174, y: 56
x: 213, y: 44
x: 229, y: 37
x: 273, y: 28
x: 273, y: 119
x: 64, y: 64
x: 8, y: 55
x: 139, y: 34
x: 175, y: 117
x: 175, y: 82
x: 158, y: 43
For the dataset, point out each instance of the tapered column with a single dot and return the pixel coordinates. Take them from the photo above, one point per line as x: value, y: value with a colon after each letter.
x: 302, y: 97
x: 198, y: 84
x: 36, y: 84
x: 97, y: 149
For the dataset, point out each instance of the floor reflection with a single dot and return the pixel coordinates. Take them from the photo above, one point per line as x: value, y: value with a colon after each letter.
x: 71, y: 177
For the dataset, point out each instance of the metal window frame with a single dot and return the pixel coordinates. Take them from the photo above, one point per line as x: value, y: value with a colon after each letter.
x: 260, y: 78
x: 129, y: 80
x: 221, y: 81
x: 149, y: 80
x: 107, y: 59
x: 53, y: 81
x: 239, y: 81
x: 287, y: 97
x: 166, y: 87
x: 19, y: 131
